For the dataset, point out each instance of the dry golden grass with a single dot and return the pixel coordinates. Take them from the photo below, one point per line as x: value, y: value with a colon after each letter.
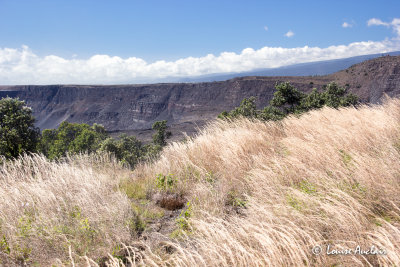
x: 261, y: 194
x: 328, y: 177
x: 47, y: 209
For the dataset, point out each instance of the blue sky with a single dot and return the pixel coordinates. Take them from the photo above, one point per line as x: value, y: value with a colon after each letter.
x: 119, y: 41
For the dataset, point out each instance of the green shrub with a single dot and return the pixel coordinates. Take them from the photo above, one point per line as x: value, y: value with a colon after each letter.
x: 74, y: 138
x: 246, y: 109
x: 127, y: 149
x: 71, y: 138
x: 289, y: 100
x: 131, y: 151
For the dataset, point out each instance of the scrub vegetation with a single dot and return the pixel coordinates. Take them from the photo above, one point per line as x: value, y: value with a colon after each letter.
x: 243, y: 192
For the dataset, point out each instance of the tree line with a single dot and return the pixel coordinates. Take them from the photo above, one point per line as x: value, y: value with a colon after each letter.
x: 289, y: 100
x: 19, y: 135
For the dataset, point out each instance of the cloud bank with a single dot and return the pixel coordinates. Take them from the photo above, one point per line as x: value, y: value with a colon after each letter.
x: 23, y: 66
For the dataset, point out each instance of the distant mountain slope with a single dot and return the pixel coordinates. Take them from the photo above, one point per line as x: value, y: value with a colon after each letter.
x: 133, y: 108
x: 304, y: 69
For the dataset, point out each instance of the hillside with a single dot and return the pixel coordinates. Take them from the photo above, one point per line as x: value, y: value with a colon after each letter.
x: 325, y: 67
x: 239, y: 194
x: 373, y: 78
x: 133, y: 108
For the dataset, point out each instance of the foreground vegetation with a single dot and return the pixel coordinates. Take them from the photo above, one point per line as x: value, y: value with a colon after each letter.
x: 241, y: 193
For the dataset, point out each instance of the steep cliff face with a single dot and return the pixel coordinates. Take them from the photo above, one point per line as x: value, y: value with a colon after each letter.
x: 132, y: 107
x: 185, y: 105
x: 373, y: 78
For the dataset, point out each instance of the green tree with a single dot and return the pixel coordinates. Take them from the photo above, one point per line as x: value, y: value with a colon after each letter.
x: 289, y: 100
x: 246, y: 109
x: 335, y: 96
x: 161, y: 135
x: 71, y: 138
x: 130, y: 150
x: 46, y: 141
x: 332, y: 96
x: 271, y: 114
x: 18, y: 133
x: 286, y: 97
x: 313, y: 100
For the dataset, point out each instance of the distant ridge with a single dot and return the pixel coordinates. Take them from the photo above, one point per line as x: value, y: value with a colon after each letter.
x: 302, y: 69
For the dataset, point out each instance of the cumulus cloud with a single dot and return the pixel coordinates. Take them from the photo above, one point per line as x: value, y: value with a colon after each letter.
x: 289, y: 34
x: 23, y: 66
x: 347, y: 25
x: 394, y: 24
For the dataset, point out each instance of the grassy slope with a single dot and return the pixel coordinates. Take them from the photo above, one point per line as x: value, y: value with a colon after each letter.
x: 260, y: 194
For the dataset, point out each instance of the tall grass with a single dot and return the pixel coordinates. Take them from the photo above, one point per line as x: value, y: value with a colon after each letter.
x: 259, y: 194
x: 328, y: 177
x: 55, y: 213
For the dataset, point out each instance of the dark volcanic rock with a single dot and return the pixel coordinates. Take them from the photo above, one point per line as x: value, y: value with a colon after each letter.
x: 133, y: 108
x: 136, y: 107
x: 372, y: 79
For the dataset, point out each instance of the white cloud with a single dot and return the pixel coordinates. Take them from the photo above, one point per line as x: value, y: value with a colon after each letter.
x: 375, y: 21
x: 394, y: 24
x: 289, y: 34
x: 23, y: 66
x: 266, y: 28
x: 347, y: 25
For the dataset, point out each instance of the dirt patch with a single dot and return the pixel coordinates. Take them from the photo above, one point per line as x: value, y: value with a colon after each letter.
x: 169, y: 201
